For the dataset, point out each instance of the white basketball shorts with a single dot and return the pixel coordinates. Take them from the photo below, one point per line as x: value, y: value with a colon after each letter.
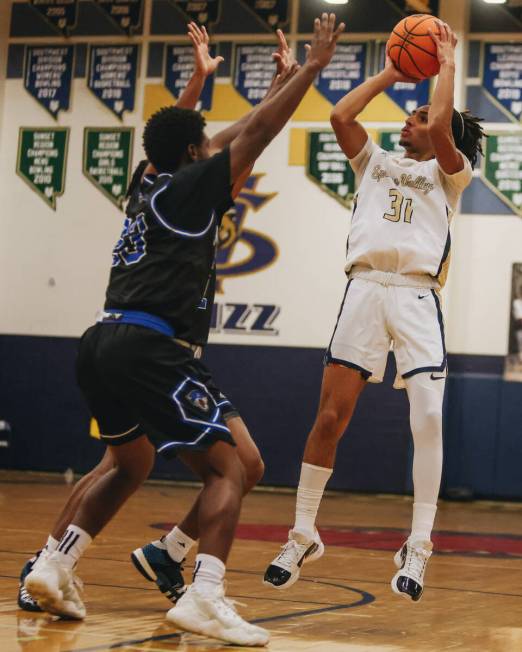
x: 374, y: 316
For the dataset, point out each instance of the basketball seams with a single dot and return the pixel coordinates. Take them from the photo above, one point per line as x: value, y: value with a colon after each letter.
x: 411, y: 31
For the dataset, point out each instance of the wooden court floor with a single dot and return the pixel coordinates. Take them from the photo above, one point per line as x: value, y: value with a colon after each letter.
x: 472, y: 601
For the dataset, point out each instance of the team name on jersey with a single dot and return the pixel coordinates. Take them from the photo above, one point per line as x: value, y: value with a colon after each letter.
x: 419, y: 182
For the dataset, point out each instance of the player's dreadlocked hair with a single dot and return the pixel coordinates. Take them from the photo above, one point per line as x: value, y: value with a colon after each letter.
x: 167, y: 135
x: 467, y: 134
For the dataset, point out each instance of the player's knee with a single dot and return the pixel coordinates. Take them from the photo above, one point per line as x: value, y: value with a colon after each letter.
x: 330, y: 424
x: 428, y: 424
x: 254, y: 471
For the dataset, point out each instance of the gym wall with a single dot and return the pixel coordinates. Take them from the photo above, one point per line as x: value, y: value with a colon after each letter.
x: 281, y: 267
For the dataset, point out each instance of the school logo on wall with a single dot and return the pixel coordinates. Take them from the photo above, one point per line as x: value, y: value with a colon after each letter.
x: 244, y: 251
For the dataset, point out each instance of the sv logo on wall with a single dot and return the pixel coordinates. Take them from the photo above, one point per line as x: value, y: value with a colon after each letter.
x: 242, y: 251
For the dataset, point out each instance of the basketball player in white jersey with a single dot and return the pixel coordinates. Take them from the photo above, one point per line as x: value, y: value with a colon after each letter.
x: 517, y: 317
x: 397, y: 259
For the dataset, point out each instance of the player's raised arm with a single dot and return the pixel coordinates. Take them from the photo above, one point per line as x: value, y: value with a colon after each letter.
x: 441, y: 108
x: 285, y: 63
x: 204, y: 66
x: 351, y: 135
x: 270, y: 117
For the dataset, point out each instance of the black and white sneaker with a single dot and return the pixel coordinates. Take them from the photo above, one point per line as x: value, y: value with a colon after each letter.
x: 286, y: 567
x: 26, y: 602
x: 155, y: 565
x: 411, y: 560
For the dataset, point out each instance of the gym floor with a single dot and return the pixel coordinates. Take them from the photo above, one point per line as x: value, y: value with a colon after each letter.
x: 472, y: 599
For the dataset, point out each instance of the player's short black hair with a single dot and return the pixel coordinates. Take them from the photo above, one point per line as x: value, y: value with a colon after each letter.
x: 468, y: 134
x: 168, y: 133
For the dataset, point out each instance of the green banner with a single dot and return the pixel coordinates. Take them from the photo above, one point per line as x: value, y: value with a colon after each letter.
x: 389, y: 140
x: 42, y: 155
x: 328, y: 166
x: 502, y: 167
x: 107, y: 160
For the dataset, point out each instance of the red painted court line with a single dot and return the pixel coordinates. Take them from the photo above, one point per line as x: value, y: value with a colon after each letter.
x: 388, y: 539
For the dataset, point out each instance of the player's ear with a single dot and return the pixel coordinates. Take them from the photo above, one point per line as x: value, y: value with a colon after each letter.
x: 192, y: 152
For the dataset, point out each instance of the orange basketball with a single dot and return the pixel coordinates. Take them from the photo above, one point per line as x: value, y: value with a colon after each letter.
x: 411, y: 47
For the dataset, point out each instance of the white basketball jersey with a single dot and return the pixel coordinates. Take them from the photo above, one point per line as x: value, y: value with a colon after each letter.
x: 402, y: 211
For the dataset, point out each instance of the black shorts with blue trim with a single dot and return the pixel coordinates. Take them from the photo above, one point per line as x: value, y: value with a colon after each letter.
x: 138, y: 381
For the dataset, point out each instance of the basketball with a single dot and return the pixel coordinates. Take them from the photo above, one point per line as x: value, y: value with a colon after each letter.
x: 411, y: 48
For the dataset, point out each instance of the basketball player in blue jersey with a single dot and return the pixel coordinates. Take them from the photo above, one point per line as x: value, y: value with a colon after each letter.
x: 160, y: 561
x: 397, y: 257
x: 139, y: 366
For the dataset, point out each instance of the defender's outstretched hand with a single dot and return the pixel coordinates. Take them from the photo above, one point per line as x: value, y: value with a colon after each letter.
x: 284, y: 57
x: 205, y: 64
x: 322, y: 48
x: 446, y: 43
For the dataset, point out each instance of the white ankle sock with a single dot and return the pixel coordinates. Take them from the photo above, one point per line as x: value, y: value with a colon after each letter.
x: 177, y: 544
x: 209, y: 572
x: 422, y: 522
x: 72, y: 545
x: 309, y: 494
x: 51, y: 544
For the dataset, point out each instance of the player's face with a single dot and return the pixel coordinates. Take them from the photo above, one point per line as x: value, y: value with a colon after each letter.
x: 414, y: 134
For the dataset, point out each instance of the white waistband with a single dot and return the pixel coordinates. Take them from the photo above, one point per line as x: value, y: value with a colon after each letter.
x: 391, y: 278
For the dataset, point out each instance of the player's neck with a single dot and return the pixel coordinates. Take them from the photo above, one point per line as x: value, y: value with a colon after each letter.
x: 418, y: 156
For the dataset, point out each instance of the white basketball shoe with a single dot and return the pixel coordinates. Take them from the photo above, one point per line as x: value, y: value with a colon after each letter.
x: 211, y: 614
x: 56, y: 589
x: 411, y: 560
x: 298, y: 550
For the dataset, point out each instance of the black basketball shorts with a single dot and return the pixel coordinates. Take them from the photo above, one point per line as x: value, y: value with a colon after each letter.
x: 138, y: 381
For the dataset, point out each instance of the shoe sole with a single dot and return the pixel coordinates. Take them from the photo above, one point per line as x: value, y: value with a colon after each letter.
x: 50, y: 601
x: 142, y: 565
x: 212, y: 629
x: 314, y: 556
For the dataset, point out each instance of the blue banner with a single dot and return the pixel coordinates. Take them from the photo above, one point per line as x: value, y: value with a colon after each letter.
x: 178, y: 71
x: 254, y: 71
x: 273, y: 13
x: 62, y: 14
x: 502, y: 76
x: 203, y: 12
x: 346, y: 70
x: 48, y: 75
x: 127, y: 14
x: 408, y: 95
x: 112, y: 76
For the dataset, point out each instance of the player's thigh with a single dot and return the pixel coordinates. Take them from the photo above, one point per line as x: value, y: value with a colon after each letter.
x: 247, y: 451
x: 360, y: 339
x: 340, y: 390
x: 417, y: 327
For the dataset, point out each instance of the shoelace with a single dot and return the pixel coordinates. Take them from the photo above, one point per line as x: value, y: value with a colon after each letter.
x: 290, y: 553
x: 416, y: 561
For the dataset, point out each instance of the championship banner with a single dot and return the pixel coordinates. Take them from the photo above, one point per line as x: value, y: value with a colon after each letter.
x: 273, y: 13
x: 502, y: 76
x: 254, y: 71
x: 47, y: 76
x: 407, y: 95
x: 126, y: 14
x: 203, y: 12
x: 328, y: 167
x: 42, y: 155
x: 513, y: 363
x: 389, y: 140
x: 112, y: 76
x: 62, y: 14
x: 179, y: 66
x: 502, y: 167
x: 346, y: 70
x: 107, y: 160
